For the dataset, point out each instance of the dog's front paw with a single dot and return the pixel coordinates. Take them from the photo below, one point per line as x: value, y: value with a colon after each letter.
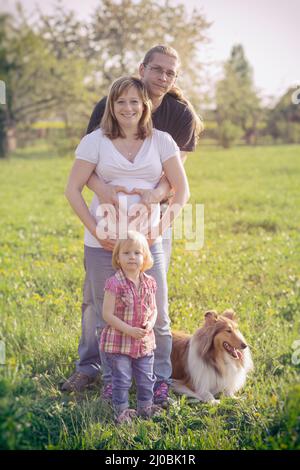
x: 208, y: 398
x: 231, y: 395
x: 214, y: 402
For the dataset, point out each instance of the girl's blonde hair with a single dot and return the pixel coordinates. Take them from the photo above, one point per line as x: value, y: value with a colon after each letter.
x: 109, y: 123
x: 133, y: 238
x: 175, y: 91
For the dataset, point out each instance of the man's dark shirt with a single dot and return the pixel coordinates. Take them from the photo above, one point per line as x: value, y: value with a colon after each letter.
x: 171, y: 116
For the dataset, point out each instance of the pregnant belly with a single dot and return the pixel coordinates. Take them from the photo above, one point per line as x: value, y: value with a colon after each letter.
x: 132, y: 215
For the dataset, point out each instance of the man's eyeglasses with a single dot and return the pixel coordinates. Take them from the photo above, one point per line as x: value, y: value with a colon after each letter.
x: 159, y: 71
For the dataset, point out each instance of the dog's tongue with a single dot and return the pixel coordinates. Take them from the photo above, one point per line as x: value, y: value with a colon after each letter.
x: 237, y: 354
x: 234, y: 353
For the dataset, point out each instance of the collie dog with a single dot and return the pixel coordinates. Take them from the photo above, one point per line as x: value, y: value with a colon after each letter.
x: 214, y: 359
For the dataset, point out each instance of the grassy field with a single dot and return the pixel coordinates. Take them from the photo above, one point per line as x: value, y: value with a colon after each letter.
x: 250, y: 262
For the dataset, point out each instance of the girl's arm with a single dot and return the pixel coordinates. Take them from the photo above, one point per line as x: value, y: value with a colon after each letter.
x: 108, y: 313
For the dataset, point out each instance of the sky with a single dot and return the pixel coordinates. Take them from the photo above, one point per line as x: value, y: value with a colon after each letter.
x: 268, y: 29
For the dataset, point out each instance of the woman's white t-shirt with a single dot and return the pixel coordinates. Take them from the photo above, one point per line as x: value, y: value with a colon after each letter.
x: 144, y: 172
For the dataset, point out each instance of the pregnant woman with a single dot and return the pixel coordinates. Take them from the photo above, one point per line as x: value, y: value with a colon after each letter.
x: 127, y: 152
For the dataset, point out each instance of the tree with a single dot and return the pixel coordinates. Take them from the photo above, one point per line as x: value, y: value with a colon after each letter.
x: 284, y: 119
x: 58, y: 66
x: 6, y: 68
x: 38, y: 81
x: 237, y: 100
x: 122, y: 31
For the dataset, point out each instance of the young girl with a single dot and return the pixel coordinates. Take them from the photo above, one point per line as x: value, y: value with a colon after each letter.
x: 129, y: 309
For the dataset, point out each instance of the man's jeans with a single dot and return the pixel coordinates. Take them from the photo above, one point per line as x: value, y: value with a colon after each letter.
x: 98, y: 268
x: 124, y: 368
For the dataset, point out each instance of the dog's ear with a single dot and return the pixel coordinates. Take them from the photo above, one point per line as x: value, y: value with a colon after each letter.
x: 211, y: 317
x: 229, y: 313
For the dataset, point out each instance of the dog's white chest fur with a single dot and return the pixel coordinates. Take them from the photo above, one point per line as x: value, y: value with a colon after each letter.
x: 205, y: 378
x: 207, y: 382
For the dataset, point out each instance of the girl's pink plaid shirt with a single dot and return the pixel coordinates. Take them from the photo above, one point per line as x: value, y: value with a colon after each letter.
x: 136, y: 308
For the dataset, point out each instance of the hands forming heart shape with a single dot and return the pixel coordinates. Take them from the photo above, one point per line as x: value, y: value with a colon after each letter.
x: 148, y: 196
x: 115, y: 218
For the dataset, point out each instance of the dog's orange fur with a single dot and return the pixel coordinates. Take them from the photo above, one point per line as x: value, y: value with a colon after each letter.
x: 180, y: 344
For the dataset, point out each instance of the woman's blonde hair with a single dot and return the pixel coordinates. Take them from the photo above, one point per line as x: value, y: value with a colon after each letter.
x: 139, y: 239
x: 175, y: 91
x: 109, y: 123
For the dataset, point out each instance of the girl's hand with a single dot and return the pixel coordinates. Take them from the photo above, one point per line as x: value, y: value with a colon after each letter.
x: 137, y: 333
x: 148, y: 327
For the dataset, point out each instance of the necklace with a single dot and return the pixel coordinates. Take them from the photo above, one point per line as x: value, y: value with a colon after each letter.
x: 132, y: 150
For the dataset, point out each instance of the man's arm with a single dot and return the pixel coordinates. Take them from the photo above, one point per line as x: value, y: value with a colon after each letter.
x: 107, y: 193
x: 162, y: 191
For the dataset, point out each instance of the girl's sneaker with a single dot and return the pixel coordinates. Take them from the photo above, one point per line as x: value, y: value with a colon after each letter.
x: 149, y: 411
x: 126, y: 416
x: 161, y: 394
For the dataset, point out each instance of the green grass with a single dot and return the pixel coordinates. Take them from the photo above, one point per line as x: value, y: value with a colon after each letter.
x: 249, y: 262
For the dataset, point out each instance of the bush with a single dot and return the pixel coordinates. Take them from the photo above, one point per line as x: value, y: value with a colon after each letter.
x: 229, y: 134
x: 288, y: 132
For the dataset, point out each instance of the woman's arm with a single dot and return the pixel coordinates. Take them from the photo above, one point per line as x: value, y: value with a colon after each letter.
x: 108, y: 313
x: 79, y: 176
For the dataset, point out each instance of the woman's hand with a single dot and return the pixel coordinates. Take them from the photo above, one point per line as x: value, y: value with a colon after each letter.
x: 150, y: 241
x: 110, y: 195
x: 141, y: 219
x: 153, y: 235
x: 108, y: 244
x: 107, y: 193
x: 148, y: 196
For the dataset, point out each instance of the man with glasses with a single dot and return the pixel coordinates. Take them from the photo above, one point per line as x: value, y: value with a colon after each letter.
x: 171, y: 113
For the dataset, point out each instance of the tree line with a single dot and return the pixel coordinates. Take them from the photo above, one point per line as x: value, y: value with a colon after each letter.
x: 56, y: 66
